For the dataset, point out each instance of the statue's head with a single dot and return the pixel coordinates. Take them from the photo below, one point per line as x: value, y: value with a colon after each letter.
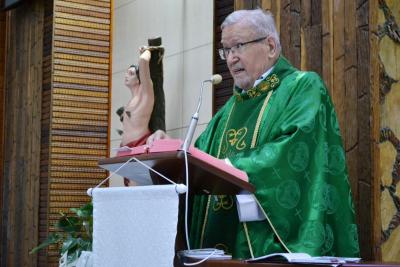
x: 132, y: 77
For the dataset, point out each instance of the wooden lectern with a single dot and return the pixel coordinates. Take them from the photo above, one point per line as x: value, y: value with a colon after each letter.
x: 207, y: 174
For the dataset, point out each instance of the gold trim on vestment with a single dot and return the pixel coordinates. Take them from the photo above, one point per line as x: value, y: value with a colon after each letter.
x: 248, y: 239
x: 260, y: 115
x: 203, y: 228
x: 272, y: 226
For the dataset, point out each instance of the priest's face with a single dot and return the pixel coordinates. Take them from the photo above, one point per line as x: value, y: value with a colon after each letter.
x: 247, y: 55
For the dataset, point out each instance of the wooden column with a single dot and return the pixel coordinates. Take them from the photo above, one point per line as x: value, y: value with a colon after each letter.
x: 2, y: 64
x: 23, y: 85
x: 75, y: 107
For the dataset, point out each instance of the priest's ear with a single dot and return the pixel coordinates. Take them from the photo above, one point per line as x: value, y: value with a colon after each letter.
x: 273, y: 47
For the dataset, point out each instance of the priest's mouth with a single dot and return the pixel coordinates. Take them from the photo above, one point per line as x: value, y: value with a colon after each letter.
x: 238, y: 71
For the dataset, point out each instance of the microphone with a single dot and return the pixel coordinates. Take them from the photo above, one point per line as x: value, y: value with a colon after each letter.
x: 215, y: 79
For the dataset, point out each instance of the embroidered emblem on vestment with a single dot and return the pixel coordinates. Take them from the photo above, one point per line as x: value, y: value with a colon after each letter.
x: 235, y: 138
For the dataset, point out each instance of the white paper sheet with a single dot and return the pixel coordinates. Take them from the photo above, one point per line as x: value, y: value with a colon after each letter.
x: 248, y: 209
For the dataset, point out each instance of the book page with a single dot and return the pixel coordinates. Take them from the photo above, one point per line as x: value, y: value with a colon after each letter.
x: 283, y: 257
x: 303, y: 258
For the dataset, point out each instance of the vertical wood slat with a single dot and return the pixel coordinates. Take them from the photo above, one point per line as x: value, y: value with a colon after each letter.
x: 272, y: 6
x: 311, y: 36
x: 284, y: 34
x: 45, y: 129
x: 350, y: 100
x: 2, y: 69
x: 338, y: 91
x: 327, y: 43
x: 22, y: 134
x: 110, y: 71
x: 290, y: 27
x: 375, y: 131
x: 265, y: 4
x: 240, y: 4
x: 223, y: 90
x: 365, y: 178
x: 294, y: 52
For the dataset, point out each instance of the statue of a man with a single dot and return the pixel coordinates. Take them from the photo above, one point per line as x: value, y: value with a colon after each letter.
x: 137, y: 112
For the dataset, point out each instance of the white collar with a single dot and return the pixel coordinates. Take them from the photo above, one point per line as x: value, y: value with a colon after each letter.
x: 265, y: 74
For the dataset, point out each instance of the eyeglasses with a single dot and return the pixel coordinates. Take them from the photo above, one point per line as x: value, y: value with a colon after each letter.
x: 238, y: 48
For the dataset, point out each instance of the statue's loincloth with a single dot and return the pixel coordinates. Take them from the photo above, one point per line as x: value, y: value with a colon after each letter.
x: 137, y: 142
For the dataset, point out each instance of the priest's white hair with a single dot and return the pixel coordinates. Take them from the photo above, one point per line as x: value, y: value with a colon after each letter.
x: 260, y: 20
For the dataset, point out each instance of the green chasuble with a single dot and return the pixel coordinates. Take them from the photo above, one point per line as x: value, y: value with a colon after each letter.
x: 284, y: 134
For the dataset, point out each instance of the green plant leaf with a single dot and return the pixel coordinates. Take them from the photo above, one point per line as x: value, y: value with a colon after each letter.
x: 73, y: 256
x: 70, y: 244
x: 85, y: 245
x: 69, y: 224
x: 53, y: 238
x: 75, y: 232
x: 85, y: 211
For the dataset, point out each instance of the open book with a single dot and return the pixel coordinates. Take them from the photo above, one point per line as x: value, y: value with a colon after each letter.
x: 162, y: 145
x: 302, y: 258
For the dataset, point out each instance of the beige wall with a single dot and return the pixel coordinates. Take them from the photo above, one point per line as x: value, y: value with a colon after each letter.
x: 186, y: 28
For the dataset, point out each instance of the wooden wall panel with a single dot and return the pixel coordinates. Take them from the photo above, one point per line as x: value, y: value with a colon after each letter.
x: 75, y: 107
x: 222, y: 91
x: 23, y: 85
x: 364, y: 176
x: 45, y: 133
x: 238, y: 4
x: 375, y: 130
x: 327, y: 43
x: 311, y: 35
x: 332, y: 38
x: 2, y: 69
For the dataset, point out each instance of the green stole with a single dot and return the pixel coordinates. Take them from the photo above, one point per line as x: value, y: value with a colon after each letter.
x: 285, y: 135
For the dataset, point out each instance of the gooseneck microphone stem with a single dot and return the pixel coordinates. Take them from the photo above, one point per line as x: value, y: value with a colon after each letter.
x: 194, y: 121
x: 215, y: 79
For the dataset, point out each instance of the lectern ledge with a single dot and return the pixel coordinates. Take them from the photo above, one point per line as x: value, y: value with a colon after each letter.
x: 207, y: 174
